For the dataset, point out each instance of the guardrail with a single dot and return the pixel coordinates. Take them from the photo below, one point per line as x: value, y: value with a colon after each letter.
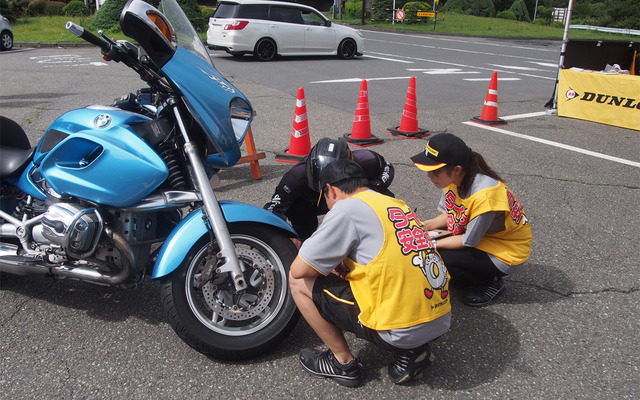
x: 605, y: 29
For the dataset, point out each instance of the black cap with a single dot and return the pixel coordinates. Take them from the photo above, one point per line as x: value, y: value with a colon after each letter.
x: 340, y: 170
x: 443, y: 149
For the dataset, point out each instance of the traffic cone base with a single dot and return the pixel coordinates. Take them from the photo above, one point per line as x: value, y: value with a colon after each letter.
x: 489, y: 114
x: 362, y: 142
x: 300, y: 143
x: 286, y: 156
x: 496, y: 122
x: 420, y: 133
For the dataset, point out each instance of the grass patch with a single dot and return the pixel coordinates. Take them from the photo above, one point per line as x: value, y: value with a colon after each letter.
x: 52, y: 29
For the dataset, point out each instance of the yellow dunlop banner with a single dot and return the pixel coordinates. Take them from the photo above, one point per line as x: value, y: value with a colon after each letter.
x: 605, y: 98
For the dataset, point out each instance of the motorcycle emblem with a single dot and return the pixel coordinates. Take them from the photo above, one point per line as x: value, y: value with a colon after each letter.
x: 102, y: 121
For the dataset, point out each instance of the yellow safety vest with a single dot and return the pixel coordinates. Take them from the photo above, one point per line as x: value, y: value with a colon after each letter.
x: 512, y: 245
x: 406, y: 284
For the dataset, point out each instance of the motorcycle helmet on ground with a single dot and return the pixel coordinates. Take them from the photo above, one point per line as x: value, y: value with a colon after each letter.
x: 321, y: 155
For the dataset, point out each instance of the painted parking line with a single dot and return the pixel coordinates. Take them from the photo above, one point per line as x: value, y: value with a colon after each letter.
x: 550, y: 142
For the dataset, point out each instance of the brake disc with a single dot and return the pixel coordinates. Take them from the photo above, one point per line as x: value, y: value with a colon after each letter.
x: 247, y: 304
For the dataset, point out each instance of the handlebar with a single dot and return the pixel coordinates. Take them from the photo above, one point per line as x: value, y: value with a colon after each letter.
x: 88, y: 36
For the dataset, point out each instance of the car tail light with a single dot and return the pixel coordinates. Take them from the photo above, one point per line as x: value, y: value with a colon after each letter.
x: 236, y: 26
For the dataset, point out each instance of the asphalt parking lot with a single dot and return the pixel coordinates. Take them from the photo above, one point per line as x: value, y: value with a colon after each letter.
x: 566, y: 326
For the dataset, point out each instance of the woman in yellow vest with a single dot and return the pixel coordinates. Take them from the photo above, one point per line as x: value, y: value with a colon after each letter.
x: 489, y: 233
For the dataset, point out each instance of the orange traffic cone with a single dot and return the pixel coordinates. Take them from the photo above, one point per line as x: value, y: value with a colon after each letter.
x: 300, y: 143
x: 489, y: 114
x: 361, y: 132
x: 409, y: 123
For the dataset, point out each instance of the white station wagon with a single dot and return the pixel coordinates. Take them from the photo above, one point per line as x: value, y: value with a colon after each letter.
x: 267, y: 29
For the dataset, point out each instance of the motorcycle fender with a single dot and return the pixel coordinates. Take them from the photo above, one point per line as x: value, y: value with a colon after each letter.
x: 192, y: 228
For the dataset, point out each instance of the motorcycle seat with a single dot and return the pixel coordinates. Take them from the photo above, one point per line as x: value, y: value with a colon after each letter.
x: 14, y: 160
x: 15, y: 150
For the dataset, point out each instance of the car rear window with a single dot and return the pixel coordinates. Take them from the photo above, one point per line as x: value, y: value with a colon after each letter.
x: 226, y: 10
x: 248, y: 11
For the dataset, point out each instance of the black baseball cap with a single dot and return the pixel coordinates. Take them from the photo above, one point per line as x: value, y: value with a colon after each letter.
x: 339, y: 170
x: 442, y: 149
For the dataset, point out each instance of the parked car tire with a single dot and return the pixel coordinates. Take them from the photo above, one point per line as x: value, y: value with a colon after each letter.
x: 347, y: 49
x: 265, y: 49
x: 6, y: 41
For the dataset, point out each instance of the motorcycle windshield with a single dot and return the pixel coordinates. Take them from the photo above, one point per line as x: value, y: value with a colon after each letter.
x: 221, y: 110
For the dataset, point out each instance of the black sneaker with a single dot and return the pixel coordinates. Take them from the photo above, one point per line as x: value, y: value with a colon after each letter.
x: 408, y: 365
x: 483, y: 296
x: 323, y: 364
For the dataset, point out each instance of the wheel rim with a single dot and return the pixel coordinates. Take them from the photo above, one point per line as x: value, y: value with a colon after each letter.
x: 348, y: 49
x: 223, y: 310
x: 266, y: 50
x: 6, y: 41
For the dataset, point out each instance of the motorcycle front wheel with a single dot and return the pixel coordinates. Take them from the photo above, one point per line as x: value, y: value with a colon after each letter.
x: 205, y: 310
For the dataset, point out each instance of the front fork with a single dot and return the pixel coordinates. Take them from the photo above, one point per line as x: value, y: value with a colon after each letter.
x: 227, y: 253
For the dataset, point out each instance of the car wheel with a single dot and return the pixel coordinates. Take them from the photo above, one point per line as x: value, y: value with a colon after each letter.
x: 347, y: 49
x: 6, y: 40
x: 265, y: 49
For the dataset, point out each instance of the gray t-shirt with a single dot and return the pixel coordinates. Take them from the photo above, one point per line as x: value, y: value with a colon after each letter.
x: 352, y: 229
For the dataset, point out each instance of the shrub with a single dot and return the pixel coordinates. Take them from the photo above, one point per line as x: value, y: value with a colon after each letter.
x: 353, y: 10
x: 479, y: 8
x: 520, y: 10
x: 207, y: 12
x: 506, y: 14
x: 76, y: 8
x: 36, y: 8
x: 53, y: 8
x: 544, y: 14
x: 411, y: 12
x: 108, y: 15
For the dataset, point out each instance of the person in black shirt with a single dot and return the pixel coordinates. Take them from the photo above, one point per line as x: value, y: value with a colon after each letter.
x: 294, y: 198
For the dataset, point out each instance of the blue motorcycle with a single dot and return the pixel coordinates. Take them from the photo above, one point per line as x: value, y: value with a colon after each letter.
x: 114, y: 194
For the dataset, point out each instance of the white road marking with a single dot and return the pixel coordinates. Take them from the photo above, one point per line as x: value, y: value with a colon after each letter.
x: 441, y: 71
x: 473, y: 67
x: 552, y: 143
x: 543, y: 64
x: 389, y: 59
x: 489, y: 79
x: 72, y: 60
x: 516, y: 67
x: 481, y: 43
x: 390, y: 78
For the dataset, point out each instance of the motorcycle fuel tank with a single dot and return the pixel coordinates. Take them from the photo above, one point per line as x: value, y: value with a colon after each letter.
x: 93, y: 153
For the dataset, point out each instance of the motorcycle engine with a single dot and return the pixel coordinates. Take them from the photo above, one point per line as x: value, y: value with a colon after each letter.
x: 75, y: 228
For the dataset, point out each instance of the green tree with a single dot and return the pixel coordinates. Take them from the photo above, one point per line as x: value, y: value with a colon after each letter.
x: 520, y: 10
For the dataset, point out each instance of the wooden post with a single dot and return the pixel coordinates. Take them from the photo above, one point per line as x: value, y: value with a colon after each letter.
x: 252, y: 156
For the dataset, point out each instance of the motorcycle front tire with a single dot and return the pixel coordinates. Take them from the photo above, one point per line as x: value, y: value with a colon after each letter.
x: 218, y: 321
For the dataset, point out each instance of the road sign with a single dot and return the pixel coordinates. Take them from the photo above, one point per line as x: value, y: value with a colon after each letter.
x: 429, y: 14
x: 400, y: 15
